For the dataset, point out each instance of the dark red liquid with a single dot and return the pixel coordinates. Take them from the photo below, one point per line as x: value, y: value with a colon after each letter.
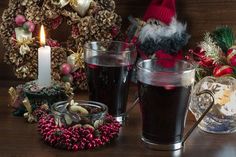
x: 163, y: 112
x: 108, y: 81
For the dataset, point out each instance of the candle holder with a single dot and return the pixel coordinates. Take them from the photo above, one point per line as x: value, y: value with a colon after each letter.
x: 49, y: 95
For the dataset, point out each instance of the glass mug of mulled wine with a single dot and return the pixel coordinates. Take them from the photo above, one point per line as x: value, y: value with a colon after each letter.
x: 109, y: 67
x: 164, y: 88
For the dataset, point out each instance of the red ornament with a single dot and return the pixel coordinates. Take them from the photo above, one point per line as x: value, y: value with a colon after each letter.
x: 199, y: 55
x: 231, y: 56
x: 68, y: 78
x: 30, y: 25
x: 20, y: 20
x: 222, y: 71
x: 65, y: 69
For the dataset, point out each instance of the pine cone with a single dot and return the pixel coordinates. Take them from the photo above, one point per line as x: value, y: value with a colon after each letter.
x: 29, y: 3
x: 32, y: 59
x: 34, y: 13
x: 94, y: 28
x: 94, y: 8
x: 80, y: 80
x: 51, y: 14
x: 6, y: 28
x: 73, y: 16
x: 59, y: 57
x: 103, y: 35
x: 29, y: 61
x: 22, y: 72
x: 12, y: 57
x: 71, y: 44
x: 84, y: 29
x: 80, y: 41
x: 106, y: 19
x: 33, y: 70
x: 107, y: 4
x: 82, y: 84
x: 118, y: 21
x: 84, y: 26
x: 6, y: 34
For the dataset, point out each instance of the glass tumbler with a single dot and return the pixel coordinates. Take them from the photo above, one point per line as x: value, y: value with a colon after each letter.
x: 109, y: 67
x: 164, y: 92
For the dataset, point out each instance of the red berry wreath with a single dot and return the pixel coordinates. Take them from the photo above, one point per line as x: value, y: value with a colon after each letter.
x: 76, y: 138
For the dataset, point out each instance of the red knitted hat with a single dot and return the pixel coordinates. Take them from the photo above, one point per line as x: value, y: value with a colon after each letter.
x: 162, y: 10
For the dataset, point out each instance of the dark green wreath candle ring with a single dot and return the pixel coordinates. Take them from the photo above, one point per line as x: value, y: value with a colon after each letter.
x: 48, y: 95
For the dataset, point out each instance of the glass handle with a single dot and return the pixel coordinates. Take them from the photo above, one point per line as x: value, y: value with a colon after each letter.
x: 203, y: 115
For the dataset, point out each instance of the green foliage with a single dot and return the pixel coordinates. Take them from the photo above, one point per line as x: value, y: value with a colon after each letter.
x: 202, y: 72
x: 224, y: 37
x: 212, y: 49
x: 234, y: 69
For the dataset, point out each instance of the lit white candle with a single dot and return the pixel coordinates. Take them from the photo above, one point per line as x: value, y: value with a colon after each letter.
x: 44, y: 62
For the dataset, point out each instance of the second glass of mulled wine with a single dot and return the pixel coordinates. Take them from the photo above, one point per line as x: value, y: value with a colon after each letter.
x: 164, y: 91
x: 109, y: 66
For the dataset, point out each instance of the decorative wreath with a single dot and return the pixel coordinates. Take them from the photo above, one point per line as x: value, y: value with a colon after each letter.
x: 75, y: 138
x: 86, y: 20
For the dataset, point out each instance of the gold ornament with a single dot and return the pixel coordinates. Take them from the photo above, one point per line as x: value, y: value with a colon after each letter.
x: 28, y: 115
x: 68, y: 90
x: 23, y: 39
x: 24, y: 49
x: 80, y: 6
x: 76, y: 59
x: 13, y: 94
x: 22, y: 72
x: 60, y: 3
x: 27, y: 105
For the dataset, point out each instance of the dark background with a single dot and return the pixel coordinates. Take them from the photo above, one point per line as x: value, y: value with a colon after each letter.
x: 201, y: 16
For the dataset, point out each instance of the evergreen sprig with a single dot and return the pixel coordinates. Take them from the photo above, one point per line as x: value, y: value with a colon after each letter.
x: 224, y: 37
x: 211, y: 48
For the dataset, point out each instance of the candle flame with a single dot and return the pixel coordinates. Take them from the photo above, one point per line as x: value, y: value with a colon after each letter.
x: 42, y: 36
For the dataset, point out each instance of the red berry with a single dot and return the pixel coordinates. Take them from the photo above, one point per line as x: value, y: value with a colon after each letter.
x: 75, y: 147
x: 90, y: 146
x: 89, y: 136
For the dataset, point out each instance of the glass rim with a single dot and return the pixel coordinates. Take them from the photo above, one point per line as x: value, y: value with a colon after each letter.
x: 86, y: 45
x: 188, y: 70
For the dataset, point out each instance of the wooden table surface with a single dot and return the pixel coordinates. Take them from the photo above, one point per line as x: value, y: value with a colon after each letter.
x: 20, y: 139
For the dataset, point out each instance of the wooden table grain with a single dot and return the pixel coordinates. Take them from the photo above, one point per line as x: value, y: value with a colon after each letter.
x: 20, y: 139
